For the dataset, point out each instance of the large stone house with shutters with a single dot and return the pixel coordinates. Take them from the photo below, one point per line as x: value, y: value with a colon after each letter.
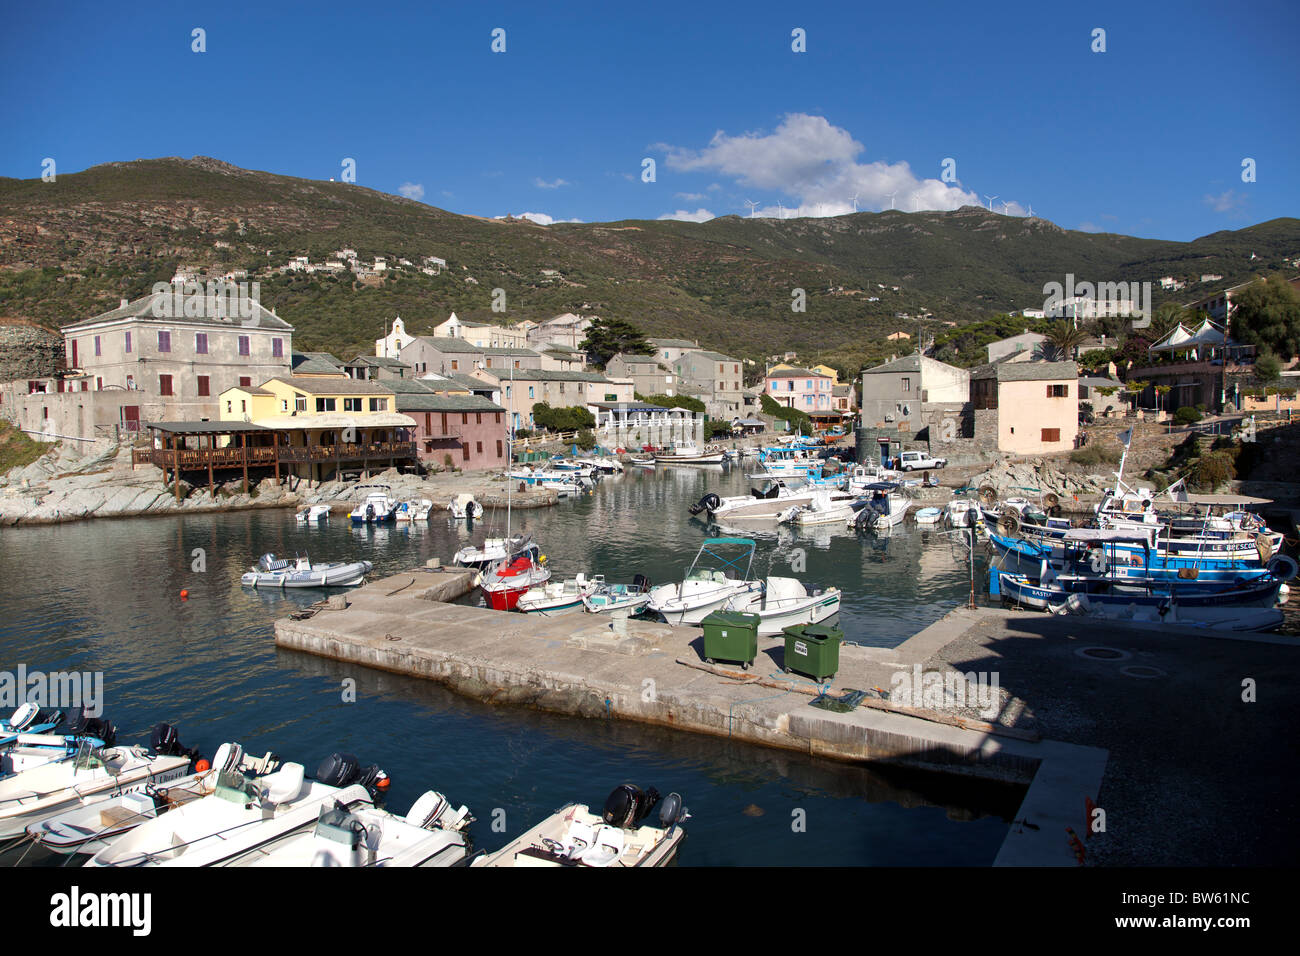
x: 148, y: 361
x: 718, y: 378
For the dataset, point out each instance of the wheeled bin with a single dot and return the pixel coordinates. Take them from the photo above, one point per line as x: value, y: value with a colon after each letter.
x: 813, y: 650
x: 731, y: 636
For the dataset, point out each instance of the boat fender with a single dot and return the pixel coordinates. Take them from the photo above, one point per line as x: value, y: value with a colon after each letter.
x: 1283, y: 566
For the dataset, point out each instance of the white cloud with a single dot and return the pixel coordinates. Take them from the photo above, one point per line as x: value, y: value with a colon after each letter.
x: 1230, y: 201
x: 1089, y: 227
x: 700, y: 215
x: 818, y: 165
x: 543, y: 184
x: 411, y: 190
x: 541, y: 218
x: 690, y: 197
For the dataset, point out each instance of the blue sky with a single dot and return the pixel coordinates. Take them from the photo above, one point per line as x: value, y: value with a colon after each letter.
x: 1146, y: 138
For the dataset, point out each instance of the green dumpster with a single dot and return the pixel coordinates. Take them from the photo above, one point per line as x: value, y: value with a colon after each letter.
x: 813, y: 649
x: 731, y: 636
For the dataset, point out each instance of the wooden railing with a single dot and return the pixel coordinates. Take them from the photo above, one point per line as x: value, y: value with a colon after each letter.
x: 234, y: 457
x: 349, y: 452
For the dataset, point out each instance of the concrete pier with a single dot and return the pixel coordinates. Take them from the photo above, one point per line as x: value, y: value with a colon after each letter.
x: 588, y: 665
x: 1074, y: 725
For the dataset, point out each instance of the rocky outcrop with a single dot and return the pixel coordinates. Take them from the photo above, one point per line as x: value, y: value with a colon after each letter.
x: 1012, y: 478
x: 65, y: 485
x: 28, y: 350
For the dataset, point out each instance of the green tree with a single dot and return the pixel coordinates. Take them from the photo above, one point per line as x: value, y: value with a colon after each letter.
x: 1268, y: 368
x: 608, y: 337
x: 1267, y: 314
x: 687, y: 402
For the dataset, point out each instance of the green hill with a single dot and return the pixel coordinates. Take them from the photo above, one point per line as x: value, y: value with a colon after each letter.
x: 74, y: 247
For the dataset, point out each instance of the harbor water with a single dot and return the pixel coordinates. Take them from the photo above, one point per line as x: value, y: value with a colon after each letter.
x: 105, y: 596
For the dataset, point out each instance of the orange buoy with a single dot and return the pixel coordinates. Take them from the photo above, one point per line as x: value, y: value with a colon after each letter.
x: 202, y: 766
x: 185, y: 595
x: 382, y: 783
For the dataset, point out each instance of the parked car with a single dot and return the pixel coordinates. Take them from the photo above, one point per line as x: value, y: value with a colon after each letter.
x: 919, y: 460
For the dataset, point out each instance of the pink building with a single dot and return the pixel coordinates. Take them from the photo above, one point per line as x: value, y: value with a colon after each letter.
x: 800, y: 388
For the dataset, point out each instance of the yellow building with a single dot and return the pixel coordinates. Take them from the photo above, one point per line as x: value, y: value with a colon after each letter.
x: 323, y: 421
x: 827, y: 370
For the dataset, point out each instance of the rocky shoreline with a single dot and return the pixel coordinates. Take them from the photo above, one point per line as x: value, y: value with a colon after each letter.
x: 64, y: 485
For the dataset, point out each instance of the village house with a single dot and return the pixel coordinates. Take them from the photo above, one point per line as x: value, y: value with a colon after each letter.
x: 162, y: 356
x: 521, y: 389
x: 648, y: 376
x: 369, y: 368
x: 481, y: 334
x: 800, y: 388
x: 717, y: 378
x: 453, y: 426
x: 444, y: 355
x: 561, y: 358
x: 668, y: 351
x: 568, y: 330
x: 1036, y: 404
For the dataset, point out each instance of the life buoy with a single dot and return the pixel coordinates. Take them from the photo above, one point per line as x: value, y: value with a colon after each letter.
x: 1283, y: 567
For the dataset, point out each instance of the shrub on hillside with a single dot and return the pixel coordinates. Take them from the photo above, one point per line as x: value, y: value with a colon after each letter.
x: 1094, y: 455
x: 1187, y: 415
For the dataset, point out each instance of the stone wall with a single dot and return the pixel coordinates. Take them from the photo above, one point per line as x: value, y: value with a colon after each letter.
x: 28, y: 351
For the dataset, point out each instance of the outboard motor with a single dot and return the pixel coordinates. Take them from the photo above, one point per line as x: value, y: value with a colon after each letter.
x: 628, y: 805
x: 81, y: 725
x: 343, y: 770
x: 672, y: 812
x: 370, y: 512
x: 640, y: 583
x: 469, y: 510
x: 708, y: 502
x: 167, y: 742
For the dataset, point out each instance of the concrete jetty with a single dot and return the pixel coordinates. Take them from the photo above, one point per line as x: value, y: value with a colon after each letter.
x: 589, y: 665
x: 1127, y: 719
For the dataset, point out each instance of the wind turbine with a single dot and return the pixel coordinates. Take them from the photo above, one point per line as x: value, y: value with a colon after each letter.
x: 915, y: 202
x: 1031, y: 210
x: 752, y: 206
x: 990, y: 199
x: 891, y: 200
x: 1006, y: 208
x: 855, y: 202
x: 780, y: 209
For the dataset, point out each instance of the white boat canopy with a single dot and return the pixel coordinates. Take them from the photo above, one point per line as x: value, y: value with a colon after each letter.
x: 1110, y: 534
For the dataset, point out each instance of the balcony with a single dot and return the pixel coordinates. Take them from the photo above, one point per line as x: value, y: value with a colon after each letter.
x: 235, y: 457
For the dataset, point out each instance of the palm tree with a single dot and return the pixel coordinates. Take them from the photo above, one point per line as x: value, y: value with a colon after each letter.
x: 1062, y: 341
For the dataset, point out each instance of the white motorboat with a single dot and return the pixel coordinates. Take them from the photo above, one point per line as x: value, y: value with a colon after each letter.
x: 686, y: 452
x: 242, y: 814
x: 22, y: 752
x: 867, y: 474
x: 575, y: 836
x: 28, y: 719
x: 929, y: 515
x: 603, y: 465
x: 825, y: 507
x: 376, y: 508
x: 710, y: 582
x: 785, y: 602
x: 494, y: 551
x: 883, y: 510
x: 313, y: 514
x: 43, y: 791
x: 554, y: 597
x: 417, y: 510
x: 360, y: 835
x: 608, y: 598
x: 90, y: 828
x: 465, y: 508
x: 769, y: 500
x: 273, y: 572
x: 962, y: 513
x: 643, y: 461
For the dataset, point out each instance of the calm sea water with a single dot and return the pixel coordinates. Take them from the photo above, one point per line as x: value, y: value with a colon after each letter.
x: 104, y: 596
